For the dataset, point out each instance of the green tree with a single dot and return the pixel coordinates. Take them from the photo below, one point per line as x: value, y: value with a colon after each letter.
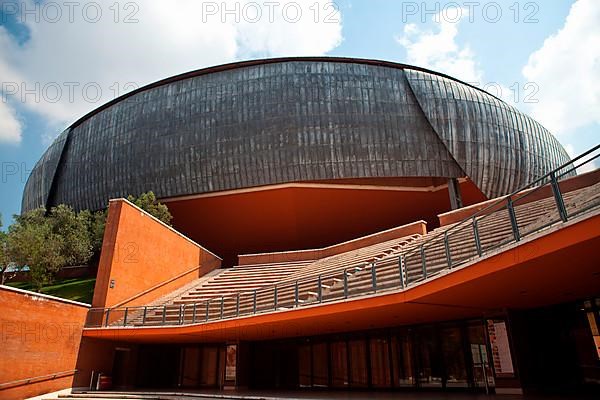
x: 32, y: 242
x: 7, y: 269
x: 72, y: 229
x: 147, y: 202
x: 96, y: 223
x: 46, y: 242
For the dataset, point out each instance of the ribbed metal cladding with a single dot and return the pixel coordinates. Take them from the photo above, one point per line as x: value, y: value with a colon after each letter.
x: 39, y: 183
x: 287, y: 121
x: 498, y: 147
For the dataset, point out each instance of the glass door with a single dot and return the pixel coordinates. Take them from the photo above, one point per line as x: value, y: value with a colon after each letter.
x: 483, y: 376
x: 429, y: 361
x: 402, y: 360
x: 454, y: 357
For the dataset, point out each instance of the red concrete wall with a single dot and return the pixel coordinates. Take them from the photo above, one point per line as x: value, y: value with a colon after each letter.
x: 40, y: 336
x: 419, y: 228
x: 144, y: 258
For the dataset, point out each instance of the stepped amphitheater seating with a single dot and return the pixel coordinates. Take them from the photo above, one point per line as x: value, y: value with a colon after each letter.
x: 245, y: 289
x: 223, y: 283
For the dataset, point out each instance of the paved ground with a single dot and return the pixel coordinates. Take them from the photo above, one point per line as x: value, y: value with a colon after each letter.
x: 273, y: 395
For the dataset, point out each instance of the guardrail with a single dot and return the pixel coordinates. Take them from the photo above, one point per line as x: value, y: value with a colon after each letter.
x: 27, y: 381
x: 503, y: 222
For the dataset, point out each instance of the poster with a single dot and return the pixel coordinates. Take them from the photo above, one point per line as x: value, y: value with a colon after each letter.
x: 498, y: 334
x: 231, y: 363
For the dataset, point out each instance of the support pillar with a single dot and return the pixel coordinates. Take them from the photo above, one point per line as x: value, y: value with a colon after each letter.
x: 454, y: 193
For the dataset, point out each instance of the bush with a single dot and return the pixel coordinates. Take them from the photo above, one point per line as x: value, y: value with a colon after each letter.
x: 147, y: 202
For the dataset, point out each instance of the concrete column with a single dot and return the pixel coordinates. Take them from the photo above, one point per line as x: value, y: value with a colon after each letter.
x: 454, y: 193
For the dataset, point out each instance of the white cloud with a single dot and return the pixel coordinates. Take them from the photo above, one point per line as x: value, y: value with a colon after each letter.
x: 169, y: 38
x: 590, y: 166
x: 438, y: 49
x: 567, y: 70
x: 10, y: 126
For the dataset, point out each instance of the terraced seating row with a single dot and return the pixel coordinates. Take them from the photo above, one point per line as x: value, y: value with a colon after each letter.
x: 388, y: 265
x: 220, y: 294
x: 494, y: 229
x: 224, y: 284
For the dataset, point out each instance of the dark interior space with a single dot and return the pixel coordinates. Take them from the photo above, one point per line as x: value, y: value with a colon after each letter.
x: 555, y: 349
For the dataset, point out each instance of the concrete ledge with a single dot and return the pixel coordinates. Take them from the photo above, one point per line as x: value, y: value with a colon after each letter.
x: 43, y: 296
x: 415, y: 228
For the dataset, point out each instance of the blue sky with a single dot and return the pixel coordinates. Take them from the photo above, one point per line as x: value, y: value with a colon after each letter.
x: 548, y: 51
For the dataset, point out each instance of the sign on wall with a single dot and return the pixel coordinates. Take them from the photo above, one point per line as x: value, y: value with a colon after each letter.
x: 500, y: 346
x: 231, y: 363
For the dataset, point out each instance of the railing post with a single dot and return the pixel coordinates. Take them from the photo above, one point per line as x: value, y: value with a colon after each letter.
x: 237, y: 305
x: 296, y: 294
x: 144, y: 316
x: 513, y: 219
x: 222, y: 306
x: 558, y: 198
x: 320, y: 290
x: 181, y: 313
x: 401, y: 270
x: 345, y: 284
x: 164, y: 316
x: 254, y: 308
x: 125, y: 316
x: 447, y: 248
x: 423, y: 262
x: 194, y: 314
x: 107, y: 315
x: 275, y: 298
x: 374, y: 276
x: 476, y: 234
x: 207, y: 309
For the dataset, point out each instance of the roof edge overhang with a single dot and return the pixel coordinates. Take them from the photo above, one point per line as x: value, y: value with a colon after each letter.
x: 264, y: 61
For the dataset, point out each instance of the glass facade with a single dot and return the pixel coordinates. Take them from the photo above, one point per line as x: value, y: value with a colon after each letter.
x: 442, y: 356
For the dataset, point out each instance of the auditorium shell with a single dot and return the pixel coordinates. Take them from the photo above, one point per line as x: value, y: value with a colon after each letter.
x: 292, y: 153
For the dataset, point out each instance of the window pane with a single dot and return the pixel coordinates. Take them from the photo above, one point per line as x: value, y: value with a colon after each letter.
x: 208, y: 366
x: 304, y: 369
x: 454, y: 357
x: 191, y: 367
x: 339, y: 364
x: 430, y: 366
x: 402, y: 356
x: 320, y: 366
x: 380, y: 362
x: 358, y: 363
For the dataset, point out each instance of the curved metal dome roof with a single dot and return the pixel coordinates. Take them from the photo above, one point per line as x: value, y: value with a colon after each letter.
x: 283, y: 120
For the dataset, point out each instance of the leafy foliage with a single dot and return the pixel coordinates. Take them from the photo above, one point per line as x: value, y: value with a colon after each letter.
x: 46, y: 242
x: 72, y: 229
x: 147, y: 202
x: 95, y: 224
x: 32, y: 243
x: 4, y: 257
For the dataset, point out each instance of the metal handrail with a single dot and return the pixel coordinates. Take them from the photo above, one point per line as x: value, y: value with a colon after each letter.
x: 26, y: 381
x: 399, y: 260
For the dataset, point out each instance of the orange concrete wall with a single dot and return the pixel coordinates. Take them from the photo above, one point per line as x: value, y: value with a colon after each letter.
x: 40, y: 336
x: 144, y: 258
x: 566, y: 185
x: 306, y: 216
x: 419, y: 228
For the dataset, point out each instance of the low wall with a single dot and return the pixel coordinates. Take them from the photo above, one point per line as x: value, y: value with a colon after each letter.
x: 39, y: 342
x: 419, y: 228
x: 143, y: 259
x: 78, y: 271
